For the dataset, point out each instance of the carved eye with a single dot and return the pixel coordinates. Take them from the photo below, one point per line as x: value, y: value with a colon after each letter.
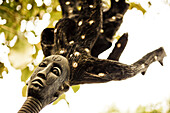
x: 56, y: 71
x: 43, y: 64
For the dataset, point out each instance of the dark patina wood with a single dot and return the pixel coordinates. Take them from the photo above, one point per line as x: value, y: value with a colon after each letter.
x: 72, y: 47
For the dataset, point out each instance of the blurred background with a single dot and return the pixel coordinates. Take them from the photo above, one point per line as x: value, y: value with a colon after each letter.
x: 148, y: 25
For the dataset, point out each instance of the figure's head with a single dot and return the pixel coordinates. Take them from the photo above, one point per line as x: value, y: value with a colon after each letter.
x: 50, y: 79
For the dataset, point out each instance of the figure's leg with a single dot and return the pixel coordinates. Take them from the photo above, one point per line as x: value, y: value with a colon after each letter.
x: 100, y: 71
x: 119, y: 47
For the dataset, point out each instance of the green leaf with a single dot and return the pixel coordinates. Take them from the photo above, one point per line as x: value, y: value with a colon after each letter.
x: 24, y: 91
x: 75, y: 88
x: 113, y: 109
x: 63, y: 96
x: 36, y: 51
x: 137, y: 6
x: 9, y: 34
x: 26, y: 73
x: 2, y: 68
x: 117, y: 37
x: 21, y: 54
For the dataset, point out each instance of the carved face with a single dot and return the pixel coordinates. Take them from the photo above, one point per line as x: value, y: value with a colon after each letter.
x: 50, y: 79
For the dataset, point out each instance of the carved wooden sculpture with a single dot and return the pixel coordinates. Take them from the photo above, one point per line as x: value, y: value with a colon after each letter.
x: 71, y: 50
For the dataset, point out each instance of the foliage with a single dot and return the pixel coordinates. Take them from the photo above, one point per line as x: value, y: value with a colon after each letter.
x: 75, y: 88
x: 63, y: 96
x: 113, y: 109
x: 21, y: 50
x: 149, y: 109
x: 137, y: 6
x: 152, y: 108
x: 17, y: 16
x: 24, y: 91
x: 2, y: 68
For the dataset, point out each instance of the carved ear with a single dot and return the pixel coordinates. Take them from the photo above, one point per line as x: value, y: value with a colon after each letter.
x: 65, y: 87
x: 47, y: 41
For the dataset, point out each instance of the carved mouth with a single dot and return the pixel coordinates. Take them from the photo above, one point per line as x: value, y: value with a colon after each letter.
x: 37, y: 82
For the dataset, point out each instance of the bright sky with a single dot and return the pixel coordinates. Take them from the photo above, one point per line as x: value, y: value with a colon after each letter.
x: 146, y: 33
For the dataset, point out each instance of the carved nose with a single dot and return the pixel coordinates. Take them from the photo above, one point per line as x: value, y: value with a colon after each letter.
x: 42, y: 75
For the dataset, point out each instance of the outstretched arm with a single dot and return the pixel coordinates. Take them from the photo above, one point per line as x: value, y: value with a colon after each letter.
x: 100, y: 71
